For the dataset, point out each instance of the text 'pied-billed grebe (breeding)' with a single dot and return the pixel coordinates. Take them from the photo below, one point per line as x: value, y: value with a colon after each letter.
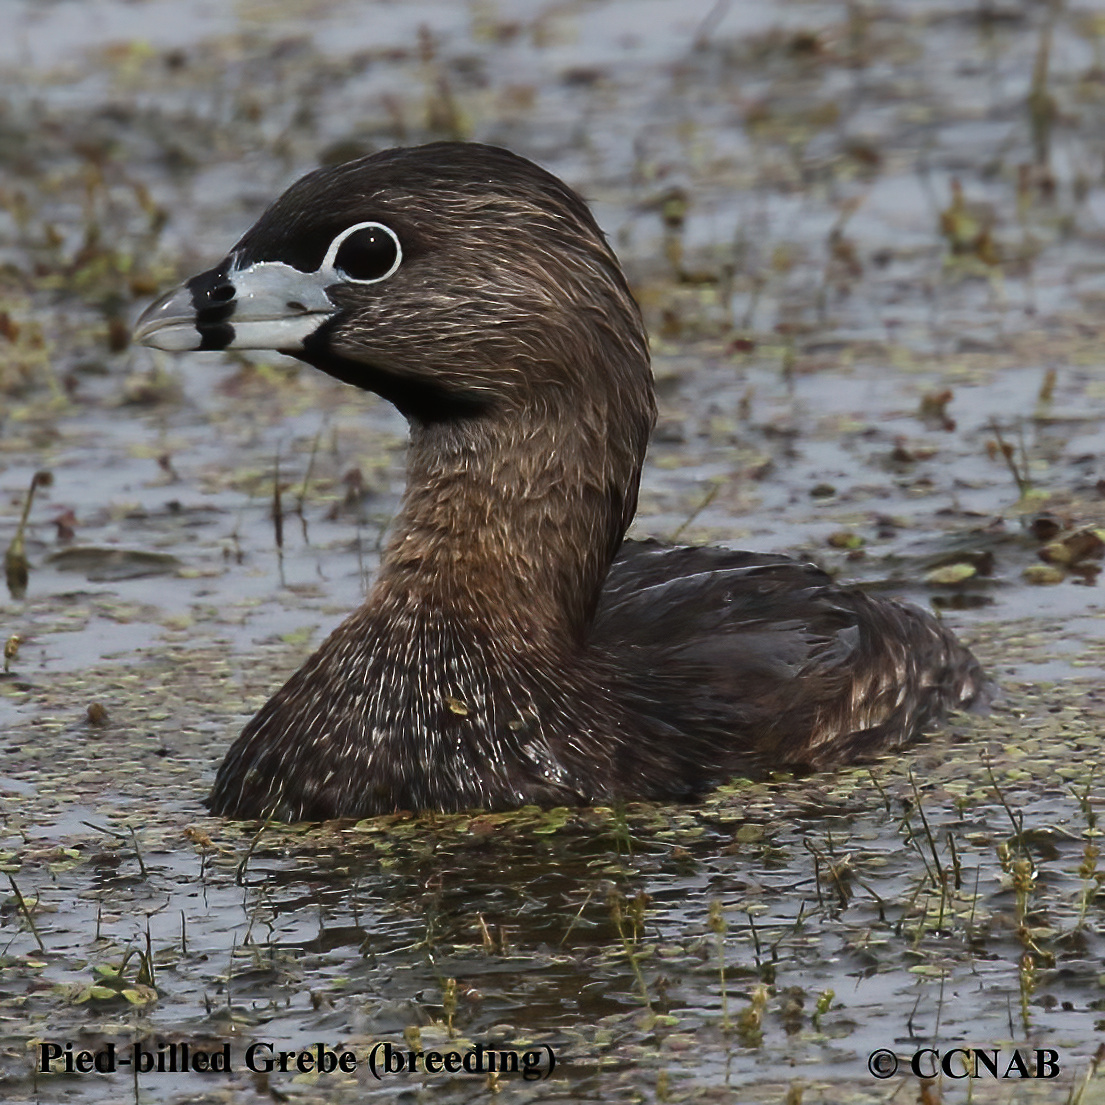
x: 514, y: 648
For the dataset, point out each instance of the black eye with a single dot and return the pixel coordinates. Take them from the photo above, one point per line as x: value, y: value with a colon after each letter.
x: 367, y: 253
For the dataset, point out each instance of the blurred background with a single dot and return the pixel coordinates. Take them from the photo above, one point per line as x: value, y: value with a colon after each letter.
x: 867, y: 237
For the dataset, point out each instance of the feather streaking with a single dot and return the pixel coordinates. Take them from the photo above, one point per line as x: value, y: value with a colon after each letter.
x: 514, y: 648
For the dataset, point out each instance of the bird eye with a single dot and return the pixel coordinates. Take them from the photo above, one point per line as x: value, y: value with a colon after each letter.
x: 365, y: 253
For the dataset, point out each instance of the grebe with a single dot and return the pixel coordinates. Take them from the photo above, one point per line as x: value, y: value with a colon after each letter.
x: 514, y: 648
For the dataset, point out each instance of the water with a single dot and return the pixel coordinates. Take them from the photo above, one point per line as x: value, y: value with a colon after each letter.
x: 803, y: 312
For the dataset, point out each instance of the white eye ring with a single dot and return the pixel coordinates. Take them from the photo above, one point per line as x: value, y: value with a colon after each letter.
x: 328, y: 269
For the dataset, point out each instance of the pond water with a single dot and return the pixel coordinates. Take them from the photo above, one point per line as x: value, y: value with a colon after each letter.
x: 868, y: 239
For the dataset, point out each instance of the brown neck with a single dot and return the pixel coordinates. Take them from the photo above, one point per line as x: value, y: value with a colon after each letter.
x: 510, y: 520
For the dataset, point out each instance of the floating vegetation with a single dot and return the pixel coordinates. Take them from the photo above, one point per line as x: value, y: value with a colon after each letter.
x: 866, y: 242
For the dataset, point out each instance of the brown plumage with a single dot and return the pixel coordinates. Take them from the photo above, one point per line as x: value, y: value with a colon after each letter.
x: 512, y: 648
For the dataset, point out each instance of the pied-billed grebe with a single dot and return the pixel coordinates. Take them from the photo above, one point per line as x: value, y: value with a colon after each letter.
x: 513, y: 648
